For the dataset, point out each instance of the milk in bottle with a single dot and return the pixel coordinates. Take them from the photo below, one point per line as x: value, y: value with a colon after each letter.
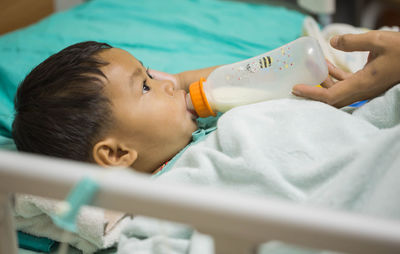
x: 265, y: 77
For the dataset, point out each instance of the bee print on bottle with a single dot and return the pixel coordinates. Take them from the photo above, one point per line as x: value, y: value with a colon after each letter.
x: 265, y: 62
x: 262, y: 63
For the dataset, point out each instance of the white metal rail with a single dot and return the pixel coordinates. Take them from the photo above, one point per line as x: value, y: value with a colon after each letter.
x: 238, y: 222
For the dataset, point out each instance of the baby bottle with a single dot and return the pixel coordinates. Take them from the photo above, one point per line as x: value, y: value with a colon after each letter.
x: 265, y: 77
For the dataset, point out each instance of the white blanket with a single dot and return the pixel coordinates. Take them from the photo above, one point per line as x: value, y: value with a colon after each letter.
x: 297, y: 150
x: 96, y: 228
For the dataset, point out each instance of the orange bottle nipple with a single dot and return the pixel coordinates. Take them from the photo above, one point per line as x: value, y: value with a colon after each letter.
x: 199, y: 99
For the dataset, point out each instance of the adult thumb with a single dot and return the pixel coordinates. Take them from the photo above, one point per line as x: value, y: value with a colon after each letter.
x: 355, y: 42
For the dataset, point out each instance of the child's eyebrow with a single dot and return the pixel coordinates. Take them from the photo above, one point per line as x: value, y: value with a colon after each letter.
x: 135, y: 73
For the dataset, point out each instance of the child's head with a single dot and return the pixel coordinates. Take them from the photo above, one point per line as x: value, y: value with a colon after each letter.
x: 92, y: 102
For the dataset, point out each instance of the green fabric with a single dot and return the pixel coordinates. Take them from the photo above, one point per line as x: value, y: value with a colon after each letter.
x: 35, y: 243
x: 7, y: 143
x: 171, y: 36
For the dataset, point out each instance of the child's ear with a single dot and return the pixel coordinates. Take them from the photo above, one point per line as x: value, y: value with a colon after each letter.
x: 109, y: 152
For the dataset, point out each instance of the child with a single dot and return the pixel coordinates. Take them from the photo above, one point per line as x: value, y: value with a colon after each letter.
x: 91, y: 102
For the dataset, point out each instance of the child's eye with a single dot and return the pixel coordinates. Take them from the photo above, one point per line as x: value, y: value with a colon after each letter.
x: 146, y: 88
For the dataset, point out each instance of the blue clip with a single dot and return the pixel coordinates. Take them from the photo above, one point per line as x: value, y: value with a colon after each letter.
x: 358, y: 103
x: 81, y: 194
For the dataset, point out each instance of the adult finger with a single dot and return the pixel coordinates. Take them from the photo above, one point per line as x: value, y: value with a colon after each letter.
x: 337, y: 97
x: 341, y: 94
x: 328, y: 82
x: 367, y: 83
x: 364, y: 84
x: 312, y: 92
x: 351, y: 90
x: 337, y: 73
x: 357, y: 42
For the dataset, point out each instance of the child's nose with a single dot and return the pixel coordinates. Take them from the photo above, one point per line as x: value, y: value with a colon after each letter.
x: 168, y: 87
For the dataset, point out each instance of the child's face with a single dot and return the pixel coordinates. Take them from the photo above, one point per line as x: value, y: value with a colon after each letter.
x: 151, y: 116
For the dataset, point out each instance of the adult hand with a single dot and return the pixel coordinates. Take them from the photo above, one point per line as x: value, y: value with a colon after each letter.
x: 381, y: 72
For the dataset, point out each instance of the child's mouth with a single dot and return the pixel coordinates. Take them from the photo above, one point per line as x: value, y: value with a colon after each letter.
x: 193, y: 112
x: 189, y: 106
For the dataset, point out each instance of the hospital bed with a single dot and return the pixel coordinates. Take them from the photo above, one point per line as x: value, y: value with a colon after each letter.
x: 238, y: 223
x: 158, y: 32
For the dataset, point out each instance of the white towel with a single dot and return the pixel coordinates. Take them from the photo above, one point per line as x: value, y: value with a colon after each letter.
x: 97, y: 228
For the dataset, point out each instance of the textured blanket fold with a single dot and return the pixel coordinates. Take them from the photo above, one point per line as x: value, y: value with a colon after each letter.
x: 97, y: 228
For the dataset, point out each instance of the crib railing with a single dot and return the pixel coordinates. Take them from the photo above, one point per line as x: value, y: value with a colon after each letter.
x: 238, y: 223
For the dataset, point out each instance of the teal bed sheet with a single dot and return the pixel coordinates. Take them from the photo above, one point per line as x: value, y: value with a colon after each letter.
x: 171, y: 36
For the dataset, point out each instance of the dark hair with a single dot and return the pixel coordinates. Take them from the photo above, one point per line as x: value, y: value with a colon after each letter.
x: 60, y: 107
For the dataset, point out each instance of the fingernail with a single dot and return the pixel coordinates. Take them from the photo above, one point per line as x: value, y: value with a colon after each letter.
x: 296, y: 92
x: 334, y: 40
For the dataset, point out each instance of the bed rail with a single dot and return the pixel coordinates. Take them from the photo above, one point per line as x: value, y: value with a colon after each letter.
x: 239, y: 223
